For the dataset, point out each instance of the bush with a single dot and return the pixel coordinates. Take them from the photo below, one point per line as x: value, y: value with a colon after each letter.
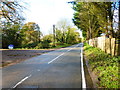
x: 37, y: 45
x: 104, y: 66
x: 31, y: 45
x: 43, y: 44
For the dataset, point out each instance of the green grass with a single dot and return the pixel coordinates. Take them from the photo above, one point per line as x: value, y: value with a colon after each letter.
x: 61, y: 46
x: 50, y: 46
x: 104, y: 66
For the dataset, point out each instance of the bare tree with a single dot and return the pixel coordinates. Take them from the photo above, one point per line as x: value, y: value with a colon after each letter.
x: 11, y: 10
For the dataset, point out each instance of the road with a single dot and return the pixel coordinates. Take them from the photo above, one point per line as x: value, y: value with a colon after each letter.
x: 57, y: 69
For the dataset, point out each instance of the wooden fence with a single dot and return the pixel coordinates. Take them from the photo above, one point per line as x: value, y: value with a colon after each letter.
x: 107, y: 45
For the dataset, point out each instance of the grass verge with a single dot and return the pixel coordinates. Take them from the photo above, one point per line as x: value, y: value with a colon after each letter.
x: 105, y: 66
x: 57, y: 46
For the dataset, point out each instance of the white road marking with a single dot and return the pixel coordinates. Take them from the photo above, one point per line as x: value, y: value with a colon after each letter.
x: 49, y: 63
x: 82, y: 70
x: 61, y: 54
x: 69, y: 50
x: 21, y: 81
x: 56, y: 58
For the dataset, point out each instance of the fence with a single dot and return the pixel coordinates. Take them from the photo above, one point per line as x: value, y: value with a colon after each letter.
x: 107, y: 45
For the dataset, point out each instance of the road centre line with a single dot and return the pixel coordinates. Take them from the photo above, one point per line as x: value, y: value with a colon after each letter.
x: 21, y: 81
x: 69, y: 50
x: 56, y: 58
x: 61, y: 55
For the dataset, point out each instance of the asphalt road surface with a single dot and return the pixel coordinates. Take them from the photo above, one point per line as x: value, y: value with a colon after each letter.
x: 57, y: 69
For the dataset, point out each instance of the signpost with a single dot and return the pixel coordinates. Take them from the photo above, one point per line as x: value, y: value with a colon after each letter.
x: 11, y: 46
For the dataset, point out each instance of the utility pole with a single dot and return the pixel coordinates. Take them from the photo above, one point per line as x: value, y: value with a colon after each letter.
x: 39, y: 33
x: 54, y: 35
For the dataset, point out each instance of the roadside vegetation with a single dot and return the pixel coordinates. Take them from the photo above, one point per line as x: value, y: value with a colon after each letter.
x: 45, y: 46
x: 29, y: 36
x: 104, y: 66
x: 93, y: 18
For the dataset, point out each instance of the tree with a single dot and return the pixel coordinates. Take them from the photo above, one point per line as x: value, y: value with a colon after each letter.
x: 48, y: 38
x: 11, y: 34
x: 72, y: 36
x: 92, y: 18
x: 85, y: 19
x: 11, y: 10
x: 32, y: 33
x: 59, y: 36
x: 62, y: 27
x: 65, y: 33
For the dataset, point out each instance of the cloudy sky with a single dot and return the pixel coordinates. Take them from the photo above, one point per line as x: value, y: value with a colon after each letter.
x: 48, y: 12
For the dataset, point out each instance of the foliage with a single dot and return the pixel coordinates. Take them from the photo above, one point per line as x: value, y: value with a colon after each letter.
x: 11, y: 35
x: 61, y: 45
x: 104, y: 65
x: 11, y: 10
x: 65, y: 33
x: 48, y: 38
x: 31, y: 45
x: 29, y: 36
x: 31, y: 32
x: 11, y: 20
x: 93, y: 18
x: 20, y: 35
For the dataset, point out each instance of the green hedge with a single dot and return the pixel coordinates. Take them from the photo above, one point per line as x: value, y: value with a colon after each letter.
x: 104, y: 65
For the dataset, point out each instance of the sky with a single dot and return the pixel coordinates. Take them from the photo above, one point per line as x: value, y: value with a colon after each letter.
x: 116, y: 18
x: 48, y: 12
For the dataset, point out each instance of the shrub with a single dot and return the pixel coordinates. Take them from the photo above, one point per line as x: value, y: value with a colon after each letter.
x: 31, y: 45
x: 104, y: 66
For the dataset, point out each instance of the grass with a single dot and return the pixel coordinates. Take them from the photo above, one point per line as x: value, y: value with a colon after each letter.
x: 49, y: 47
x: 105, y: 66
x: 61, y: 46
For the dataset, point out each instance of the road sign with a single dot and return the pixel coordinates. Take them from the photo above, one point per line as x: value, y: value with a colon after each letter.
x: 11, y: 46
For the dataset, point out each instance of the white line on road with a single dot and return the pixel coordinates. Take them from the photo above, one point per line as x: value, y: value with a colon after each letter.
x: 56, y: 58
x: 39, y: 70
x: 82, y: 70
x: 61, y: 55
x: 69, y: 50
x: 21, y: 81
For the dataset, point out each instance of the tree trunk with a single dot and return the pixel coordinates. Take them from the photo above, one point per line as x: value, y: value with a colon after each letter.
x: 90, y: 30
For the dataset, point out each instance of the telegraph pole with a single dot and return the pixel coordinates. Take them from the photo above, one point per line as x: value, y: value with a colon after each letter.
x: 39, y: 35
x: 54, y: 35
